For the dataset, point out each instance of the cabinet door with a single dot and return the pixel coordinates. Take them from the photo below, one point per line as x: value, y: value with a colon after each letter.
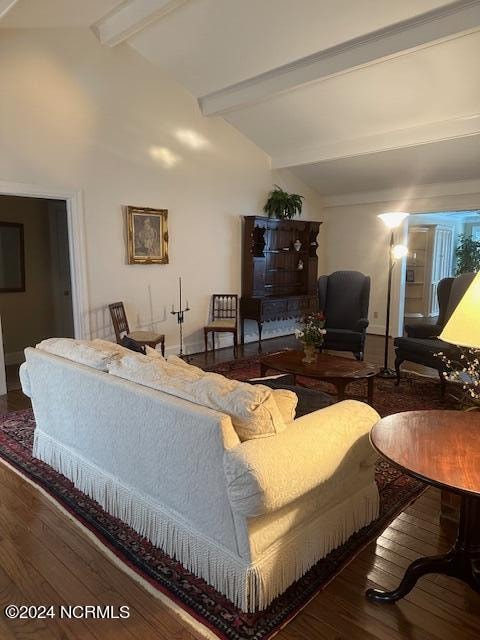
x: 274, y: 309
x: 442, y: 260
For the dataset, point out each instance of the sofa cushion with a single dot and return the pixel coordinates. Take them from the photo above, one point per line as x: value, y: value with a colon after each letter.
x: 118, y: 350
x: 253, y: 409
x: 90, y: 353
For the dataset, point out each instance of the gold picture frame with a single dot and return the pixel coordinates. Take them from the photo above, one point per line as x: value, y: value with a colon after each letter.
x: 147, y: 235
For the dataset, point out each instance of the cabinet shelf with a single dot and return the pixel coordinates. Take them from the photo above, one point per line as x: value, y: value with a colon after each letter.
x: 273, y: 287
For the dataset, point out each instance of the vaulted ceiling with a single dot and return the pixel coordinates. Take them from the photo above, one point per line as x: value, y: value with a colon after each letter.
x: 352, y: 95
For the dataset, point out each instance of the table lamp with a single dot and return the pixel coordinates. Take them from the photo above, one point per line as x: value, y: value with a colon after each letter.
x: 463, y: 327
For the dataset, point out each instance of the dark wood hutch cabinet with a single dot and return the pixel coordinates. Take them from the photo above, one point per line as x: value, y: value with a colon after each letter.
x: 279, y: 270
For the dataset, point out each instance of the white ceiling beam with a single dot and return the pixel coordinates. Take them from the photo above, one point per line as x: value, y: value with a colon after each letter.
x: 443, y: 23
x: 128, y: 19
x: 5, y: 6
x: 439, y: 131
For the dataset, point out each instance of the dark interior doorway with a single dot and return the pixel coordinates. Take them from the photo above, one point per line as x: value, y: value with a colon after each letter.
x: 42, y: 308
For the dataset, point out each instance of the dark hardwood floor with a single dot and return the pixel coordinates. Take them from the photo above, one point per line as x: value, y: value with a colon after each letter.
x: 45, y: 559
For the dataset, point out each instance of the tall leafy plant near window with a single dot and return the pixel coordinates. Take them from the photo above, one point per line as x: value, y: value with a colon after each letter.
x: 467, y: 255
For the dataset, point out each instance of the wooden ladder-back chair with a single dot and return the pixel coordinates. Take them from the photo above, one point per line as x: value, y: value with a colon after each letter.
x: 120, y: 325
x: 224, y: 318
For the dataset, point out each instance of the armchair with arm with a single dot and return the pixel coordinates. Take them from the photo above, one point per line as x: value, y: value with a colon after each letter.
x: 422, y: 343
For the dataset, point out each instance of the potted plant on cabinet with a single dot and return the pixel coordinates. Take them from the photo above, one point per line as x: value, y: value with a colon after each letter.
x: 283, y: 205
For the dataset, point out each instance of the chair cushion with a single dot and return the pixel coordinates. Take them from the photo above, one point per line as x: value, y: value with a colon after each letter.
x: 343, y: 337
x: 222, y: 323
x: 426, y: 346
x: 146, y: 336
x: 252, y: 409
x: 424, y: 351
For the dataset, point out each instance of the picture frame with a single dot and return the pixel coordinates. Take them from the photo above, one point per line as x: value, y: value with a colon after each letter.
x: 12, y: 257
x: 147, y: 233
x: 410, y: 275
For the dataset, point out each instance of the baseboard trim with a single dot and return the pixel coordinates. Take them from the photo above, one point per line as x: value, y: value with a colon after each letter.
x: 376, y: 330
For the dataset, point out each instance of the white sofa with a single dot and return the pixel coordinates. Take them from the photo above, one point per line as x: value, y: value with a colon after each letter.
x: 248, y: 517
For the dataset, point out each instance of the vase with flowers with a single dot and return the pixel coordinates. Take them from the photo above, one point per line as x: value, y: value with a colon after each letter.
x: 465, y: 372
x: 311, y: 333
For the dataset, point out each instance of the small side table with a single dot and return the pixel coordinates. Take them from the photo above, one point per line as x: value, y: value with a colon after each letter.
x: 441, y: 448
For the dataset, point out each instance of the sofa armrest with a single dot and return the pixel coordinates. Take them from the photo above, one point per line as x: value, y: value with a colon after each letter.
x: 266, y: 474
x: 422, y: 330
x: 25, y: 380
x: 362, y: 324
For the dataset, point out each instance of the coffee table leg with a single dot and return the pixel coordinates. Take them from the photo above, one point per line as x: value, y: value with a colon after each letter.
x: 370, y: 390
x: 263, y: 370
x: 463, y: 561
x: 340, y: 385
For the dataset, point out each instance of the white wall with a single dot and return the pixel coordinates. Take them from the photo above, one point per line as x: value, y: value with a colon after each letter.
x: 356, y: 239
x: 76, y: 116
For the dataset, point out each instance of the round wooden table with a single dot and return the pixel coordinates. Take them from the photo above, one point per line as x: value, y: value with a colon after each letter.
x: 334, y: 369
x: 441, y: 448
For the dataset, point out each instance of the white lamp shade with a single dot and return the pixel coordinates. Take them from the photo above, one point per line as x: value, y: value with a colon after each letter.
x: 393, y: 219
x: 463, y: 328
x: 399, y: 251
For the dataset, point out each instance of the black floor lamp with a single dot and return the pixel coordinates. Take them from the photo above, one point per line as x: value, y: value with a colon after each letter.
x: 397, y: 251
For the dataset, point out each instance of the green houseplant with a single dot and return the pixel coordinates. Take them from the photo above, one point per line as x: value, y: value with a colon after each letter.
x: 467, y: 255
x: 283, y: 205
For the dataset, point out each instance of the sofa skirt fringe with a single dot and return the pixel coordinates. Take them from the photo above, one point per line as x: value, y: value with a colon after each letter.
x: 251, y: 586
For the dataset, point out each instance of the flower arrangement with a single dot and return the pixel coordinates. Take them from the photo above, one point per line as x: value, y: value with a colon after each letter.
x: 465, y: 371
x: 313, y: 330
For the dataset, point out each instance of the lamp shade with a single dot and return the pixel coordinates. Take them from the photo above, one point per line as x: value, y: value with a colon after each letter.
x: 393, y: 219
x: 463, y: 328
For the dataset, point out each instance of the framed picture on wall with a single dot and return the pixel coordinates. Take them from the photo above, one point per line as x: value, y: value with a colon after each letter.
x: 12, y: 257
x: 147, y: 235
x: 410, y: 275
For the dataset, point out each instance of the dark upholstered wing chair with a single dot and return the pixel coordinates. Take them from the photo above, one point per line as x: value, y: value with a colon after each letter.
x: 422, y: 342
x: 343, y: 297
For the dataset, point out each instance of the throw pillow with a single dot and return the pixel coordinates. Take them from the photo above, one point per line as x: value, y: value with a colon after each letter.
x: 133, y: 345
x: 286, y: 402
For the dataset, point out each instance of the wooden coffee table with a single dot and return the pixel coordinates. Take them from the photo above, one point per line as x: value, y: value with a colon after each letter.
x: 334, y: 369
x: 441, y: 448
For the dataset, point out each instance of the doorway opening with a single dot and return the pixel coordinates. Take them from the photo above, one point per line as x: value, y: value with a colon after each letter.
x: 39, y: 304
x: 433, y: 241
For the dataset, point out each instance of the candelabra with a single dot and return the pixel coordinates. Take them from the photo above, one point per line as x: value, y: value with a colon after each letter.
x: 180, y: 316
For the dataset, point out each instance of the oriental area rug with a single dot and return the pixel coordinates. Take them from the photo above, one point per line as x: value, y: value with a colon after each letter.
x: 210, y: 612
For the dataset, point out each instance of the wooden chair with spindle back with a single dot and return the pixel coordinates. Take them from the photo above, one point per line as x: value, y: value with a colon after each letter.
x: 121, y: 328
x: 224, y: 318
